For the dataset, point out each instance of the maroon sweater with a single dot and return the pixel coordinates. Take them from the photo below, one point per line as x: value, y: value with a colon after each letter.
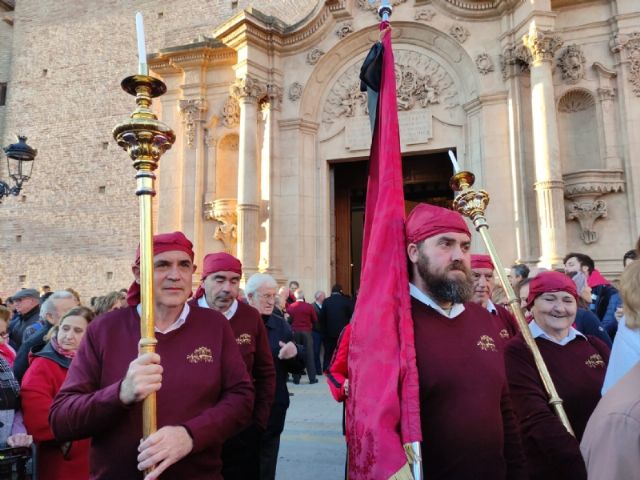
x: 251, y: 337
x: 205, y: 388
x: 577, y: 370
x: 469, y: 429
x: 303, y: 316
x: 505, y: 324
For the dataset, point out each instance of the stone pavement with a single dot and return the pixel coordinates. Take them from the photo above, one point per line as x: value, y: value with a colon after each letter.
x: 312, y: 446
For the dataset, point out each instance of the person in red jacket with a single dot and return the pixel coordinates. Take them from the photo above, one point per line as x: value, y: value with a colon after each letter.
x: 41, y: 383
x: 577, y: 365
x: 303, y: 317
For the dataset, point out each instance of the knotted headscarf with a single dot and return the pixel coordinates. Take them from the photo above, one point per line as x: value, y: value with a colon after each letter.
x: 546, y: 282
x: 481, y: 261
x: 218, y: 262
x: 427, y: 220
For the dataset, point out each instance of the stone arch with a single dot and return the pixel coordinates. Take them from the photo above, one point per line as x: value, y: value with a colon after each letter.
x: 441, y: 46
x: 578, y: 131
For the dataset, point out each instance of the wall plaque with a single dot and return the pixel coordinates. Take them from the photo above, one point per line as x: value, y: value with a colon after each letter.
x: 416, y: 126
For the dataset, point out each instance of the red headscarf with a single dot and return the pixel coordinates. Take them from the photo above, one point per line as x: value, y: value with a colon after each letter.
x: 427, y: 220
x: 218, y: 262
x: 163, y: 242
x: 481, y: 261
x: 550, y: 282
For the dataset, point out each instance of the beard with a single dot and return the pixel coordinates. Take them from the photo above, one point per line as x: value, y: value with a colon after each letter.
x: 442, y: 288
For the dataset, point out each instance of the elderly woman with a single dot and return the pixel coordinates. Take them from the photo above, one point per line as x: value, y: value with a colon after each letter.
x: 577, y: 365
x: 40, y: 385
x: 261, y: 294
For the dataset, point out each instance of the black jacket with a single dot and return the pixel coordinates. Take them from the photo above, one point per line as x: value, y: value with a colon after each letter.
x: 18, y: 325
x: 336, y: 313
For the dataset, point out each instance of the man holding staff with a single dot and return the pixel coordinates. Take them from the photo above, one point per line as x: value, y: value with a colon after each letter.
x: 204, y: 394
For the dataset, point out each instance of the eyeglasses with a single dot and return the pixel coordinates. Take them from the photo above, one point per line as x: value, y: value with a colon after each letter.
x: 269, y: 297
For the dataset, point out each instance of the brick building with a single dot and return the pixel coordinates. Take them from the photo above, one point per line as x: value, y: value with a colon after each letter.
x: 540, y: 99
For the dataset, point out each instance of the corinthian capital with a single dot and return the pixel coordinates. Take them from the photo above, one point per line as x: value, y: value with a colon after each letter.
x: 249, y: 88
x: 542, y: 45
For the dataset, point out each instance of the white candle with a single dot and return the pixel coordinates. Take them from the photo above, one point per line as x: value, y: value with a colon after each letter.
x: 142, y: 51
x: 454, y: 162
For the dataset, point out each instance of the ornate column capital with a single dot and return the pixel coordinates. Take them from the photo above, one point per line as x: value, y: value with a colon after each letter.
x: 192, y: 112
x: 274, y: 94
x: 627, y: 45
x: 542, y: 45
x: 247, y: 89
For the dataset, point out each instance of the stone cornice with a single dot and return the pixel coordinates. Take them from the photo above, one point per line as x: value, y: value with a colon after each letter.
x: 592, y: 183
x: 208, y: 52
x: 299, y: 124
x: 473, y: 9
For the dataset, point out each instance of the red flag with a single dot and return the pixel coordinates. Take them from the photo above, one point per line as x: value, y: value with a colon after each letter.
x: 383, y: 410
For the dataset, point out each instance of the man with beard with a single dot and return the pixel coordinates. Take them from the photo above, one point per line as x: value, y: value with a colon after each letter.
x: 219, y: 291
x: 483, y: 282
x: 468, y: 426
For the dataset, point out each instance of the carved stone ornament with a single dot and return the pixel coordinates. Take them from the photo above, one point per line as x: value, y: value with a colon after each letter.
x: 420, y: 82
x: 314, y: 56
x: 586, y: 213
x: 584, y: 188
x: 192, y: 113
x: 231, y: 112
x: 295, y: 91
x: 576, y: 101
x: 274, y: 94
x: 572, y: 64
x: 629, y: 44
x: 223, y: 211
x: 542, y: 45
x: 248, y: 88
x: 459, y: 32
x: 344, y: 29
x: 484, y: 64
x: 424, y: 14
x: 514, y: 60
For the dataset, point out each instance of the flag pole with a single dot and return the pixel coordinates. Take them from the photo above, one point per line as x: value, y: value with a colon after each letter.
x: 472, y: 204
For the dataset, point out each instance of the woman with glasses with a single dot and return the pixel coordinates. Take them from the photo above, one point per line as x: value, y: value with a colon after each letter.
x: 41, y: 383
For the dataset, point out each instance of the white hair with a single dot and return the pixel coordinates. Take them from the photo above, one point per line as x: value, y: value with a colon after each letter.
x: 258, y: 280
x: 299, y: 294
x: 49, y: 306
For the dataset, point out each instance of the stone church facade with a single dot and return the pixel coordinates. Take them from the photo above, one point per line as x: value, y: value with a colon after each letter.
x: 539, y: 99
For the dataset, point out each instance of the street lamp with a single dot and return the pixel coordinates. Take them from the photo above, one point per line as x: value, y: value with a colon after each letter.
x: 20, y: 157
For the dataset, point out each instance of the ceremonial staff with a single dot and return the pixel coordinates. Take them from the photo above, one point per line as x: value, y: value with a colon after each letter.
x: 472, y: 204
x: 145, y: 139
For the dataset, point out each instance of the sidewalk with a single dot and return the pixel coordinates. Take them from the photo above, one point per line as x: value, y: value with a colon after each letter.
x: 312, y: 446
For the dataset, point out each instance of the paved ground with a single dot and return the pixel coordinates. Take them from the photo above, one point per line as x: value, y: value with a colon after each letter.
x: 312, y: 446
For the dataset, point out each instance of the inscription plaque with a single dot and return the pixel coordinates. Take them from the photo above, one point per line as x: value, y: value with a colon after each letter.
x: 416, y: 126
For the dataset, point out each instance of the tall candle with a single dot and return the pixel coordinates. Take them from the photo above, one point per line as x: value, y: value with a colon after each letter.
x: 142, y: 51
x: 454, y: 162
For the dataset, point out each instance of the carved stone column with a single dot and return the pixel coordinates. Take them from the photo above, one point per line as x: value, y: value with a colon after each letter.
x: 607, y: 95
x: 248, y: 92
x: 548, y: 185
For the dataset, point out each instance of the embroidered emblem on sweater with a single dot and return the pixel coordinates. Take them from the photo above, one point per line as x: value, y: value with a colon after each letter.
x: 487, y: 344
x: 244, y: 339
x: 595, y: 361
x: 504, y: 333
x: 199, y: 355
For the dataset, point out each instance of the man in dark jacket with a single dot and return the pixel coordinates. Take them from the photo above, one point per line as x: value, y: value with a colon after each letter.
x: 27, y: 305
x: 261, y: 293
x: 336, y: 313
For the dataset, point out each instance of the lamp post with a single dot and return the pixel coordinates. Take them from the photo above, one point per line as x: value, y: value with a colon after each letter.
x: 20, y: 157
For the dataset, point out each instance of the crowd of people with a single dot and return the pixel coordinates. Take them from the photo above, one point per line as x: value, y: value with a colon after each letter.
x: 73, y: 377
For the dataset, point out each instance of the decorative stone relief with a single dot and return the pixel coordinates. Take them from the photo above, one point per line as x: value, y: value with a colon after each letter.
x: 231, y: 112
x: 223, y: 211
x: 575, y: 101
x: 584, y: 188
x: 571, y: 63
x: 314, y: 56
x: 542, y: 44
x: 420, y: 82
x: 424, y: 14
x: 459, y: 32
x: 606, y: 93
x: 484, y: 64
x: 274, y: 94
x: 295, y: 91
x: 192, y: 113
x: 630, y: 45
x: 344, y: 29
x: 587, y: 213
x: 248, y: 88
x: 514, y: 60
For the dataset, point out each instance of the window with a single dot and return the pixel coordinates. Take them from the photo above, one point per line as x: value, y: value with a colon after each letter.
x: 3, y: 94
